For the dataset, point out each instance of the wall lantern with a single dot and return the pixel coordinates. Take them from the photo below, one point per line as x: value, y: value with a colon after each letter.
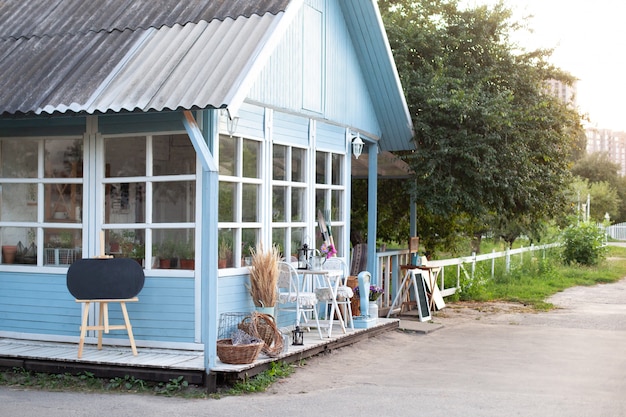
x: 298, y: 337
x: 357, y: 146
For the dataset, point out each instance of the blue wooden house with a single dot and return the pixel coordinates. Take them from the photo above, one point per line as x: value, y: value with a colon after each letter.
x: 167, y: 130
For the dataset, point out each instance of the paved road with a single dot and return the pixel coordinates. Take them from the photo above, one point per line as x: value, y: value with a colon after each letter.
x: 568, y: 362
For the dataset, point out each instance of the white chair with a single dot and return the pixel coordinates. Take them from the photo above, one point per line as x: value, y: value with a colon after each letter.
x: 292, y: 298
x: 344, y: 293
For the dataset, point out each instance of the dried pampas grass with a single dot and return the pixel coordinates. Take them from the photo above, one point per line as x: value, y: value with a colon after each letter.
x: 264, y: 276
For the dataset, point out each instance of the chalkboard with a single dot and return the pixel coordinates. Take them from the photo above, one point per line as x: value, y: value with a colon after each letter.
x: 421, y: 297
x: 101, y: 279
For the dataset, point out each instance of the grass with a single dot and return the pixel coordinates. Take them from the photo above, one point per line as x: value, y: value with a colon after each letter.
x: 175, y: 387
x: 534, y: 280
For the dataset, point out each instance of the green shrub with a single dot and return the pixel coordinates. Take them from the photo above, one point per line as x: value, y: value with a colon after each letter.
x: 583, y: 244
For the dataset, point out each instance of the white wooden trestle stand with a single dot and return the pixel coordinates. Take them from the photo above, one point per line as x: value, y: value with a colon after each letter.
x: 103, y: 322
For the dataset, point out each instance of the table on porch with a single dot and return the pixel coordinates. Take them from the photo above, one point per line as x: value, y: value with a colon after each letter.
x: 330, y: 279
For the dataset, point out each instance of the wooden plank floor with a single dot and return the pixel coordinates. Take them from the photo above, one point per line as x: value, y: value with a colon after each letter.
x: 164, y: 364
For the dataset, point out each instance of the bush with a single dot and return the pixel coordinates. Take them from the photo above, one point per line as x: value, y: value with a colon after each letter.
x: 583, y: 244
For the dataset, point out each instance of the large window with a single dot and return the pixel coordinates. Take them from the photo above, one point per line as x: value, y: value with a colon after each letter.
x: 41, y: 189
x: 149, y: 189
x: 289, y: 198
x: 240, y: 198
x: 330, y: 192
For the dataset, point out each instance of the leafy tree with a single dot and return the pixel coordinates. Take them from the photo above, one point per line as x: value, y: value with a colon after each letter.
x: 490, y: 138
x: 597, y: 167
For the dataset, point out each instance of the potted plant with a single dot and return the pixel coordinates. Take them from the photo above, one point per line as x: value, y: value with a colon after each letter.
x: 138, y: 253
x: 167, y: 254
x: 264, y: 278
x: 186, y: 253
x: 224, y: 254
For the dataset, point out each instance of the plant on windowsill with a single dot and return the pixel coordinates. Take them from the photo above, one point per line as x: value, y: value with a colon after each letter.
x: 224, y: 254
x: 186, y: 253
x: 166, y: 252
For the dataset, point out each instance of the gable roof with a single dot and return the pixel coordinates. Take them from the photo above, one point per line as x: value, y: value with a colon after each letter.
x: 60, y: 56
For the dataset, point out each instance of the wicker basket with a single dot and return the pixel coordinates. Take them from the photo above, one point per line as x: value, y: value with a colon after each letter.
x: 259, y: 326
x: 238, y: 354
x: 263, y: 326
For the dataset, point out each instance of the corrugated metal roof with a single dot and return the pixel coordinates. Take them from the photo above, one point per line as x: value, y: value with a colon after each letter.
x: 59, y: 56
x: 190, y: 54
x: 62, y: 17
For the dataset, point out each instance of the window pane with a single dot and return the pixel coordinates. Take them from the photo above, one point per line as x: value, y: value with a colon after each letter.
x: 125, y: 157
x: 227, y: 201
x: 280, y: 162
x: 279, y: 204
x: 22, y: 239
x: 228, y: 156
x: 337, y: 170
x: 225, y: 238
x: 336, y: 208
x: 320, y: 167
x: 298, y: 198
x: 173, y: 155
x: 63, y: 202
x: 297, y: 165
x: 63, y: 158
x: 62, y: 246
x: 279, y: 238
x: 173, y: 201
x: 125, y: 202
x: 320, y: 201
x: 249, y: 240
x: 19, y: 202
x: 125, y: 243
x: 249, y: 206
x: 251, y: 153
x: 19, y: 158
x: 170, y: 245
x: 297, y: 240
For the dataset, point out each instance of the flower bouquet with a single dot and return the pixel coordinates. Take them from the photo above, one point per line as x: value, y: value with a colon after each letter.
x: 328, y: 250
x: 375, y: 292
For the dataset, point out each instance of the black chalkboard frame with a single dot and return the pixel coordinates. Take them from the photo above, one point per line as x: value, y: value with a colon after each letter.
x: 421, y: 296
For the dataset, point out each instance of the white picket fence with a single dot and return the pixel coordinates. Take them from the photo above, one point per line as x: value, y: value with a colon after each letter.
x: 389, y: 275
x: 617, y: 231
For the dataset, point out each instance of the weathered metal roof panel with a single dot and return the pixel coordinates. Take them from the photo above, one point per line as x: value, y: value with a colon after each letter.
x: 59, y: 17
x: 195, y: 65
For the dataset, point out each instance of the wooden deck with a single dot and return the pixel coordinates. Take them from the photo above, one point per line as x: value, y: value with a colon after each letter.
x: 164, y: 364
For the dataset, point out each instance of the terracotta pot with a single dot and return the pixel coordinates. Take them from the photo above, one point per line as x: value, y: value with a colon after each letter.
x: 187, y: 264
x: 165, y: 264
x: 8, y: 254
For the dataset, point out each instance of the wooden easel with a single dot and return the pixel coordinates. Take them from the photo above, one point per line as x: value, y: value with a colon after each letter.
x: 421, y: 298
x: 103, y: 322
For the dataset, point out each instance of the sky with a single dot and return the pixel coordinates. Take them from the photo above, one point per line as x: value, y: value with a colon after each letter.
x: 589, y: 41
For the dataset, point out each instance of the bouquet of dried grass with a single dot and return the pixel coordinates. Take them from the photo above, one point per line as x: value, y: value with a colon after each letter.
x: 264, y: 276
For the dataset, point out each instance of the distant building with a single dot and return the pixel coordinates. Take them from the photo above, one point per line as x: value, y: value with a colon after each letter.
x: 565, y: 93
x: 609, y: 142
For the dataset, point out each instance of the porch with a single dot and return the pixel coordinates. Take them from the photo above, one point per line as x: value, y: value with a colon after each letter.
x: 164, y: 364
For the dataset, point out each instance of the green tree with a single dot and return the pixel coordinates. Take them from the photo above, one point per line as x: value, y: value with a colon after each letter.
x: 597, y: 167
x: 490, y: 138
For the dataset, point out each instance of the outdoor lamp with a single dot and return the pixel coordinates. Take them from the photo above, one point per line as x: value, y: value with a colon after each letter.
x: 357, y: 146
x: 298, y: 337
x: 303, y: 257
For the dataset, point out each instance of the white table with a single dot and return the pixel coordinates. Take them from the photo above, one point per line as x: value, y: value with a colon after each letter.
x: 330, y: 279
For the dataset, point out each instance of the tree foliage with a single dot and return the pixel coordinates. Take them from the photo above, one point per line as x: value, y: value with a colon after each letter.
x: 492, y: 142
